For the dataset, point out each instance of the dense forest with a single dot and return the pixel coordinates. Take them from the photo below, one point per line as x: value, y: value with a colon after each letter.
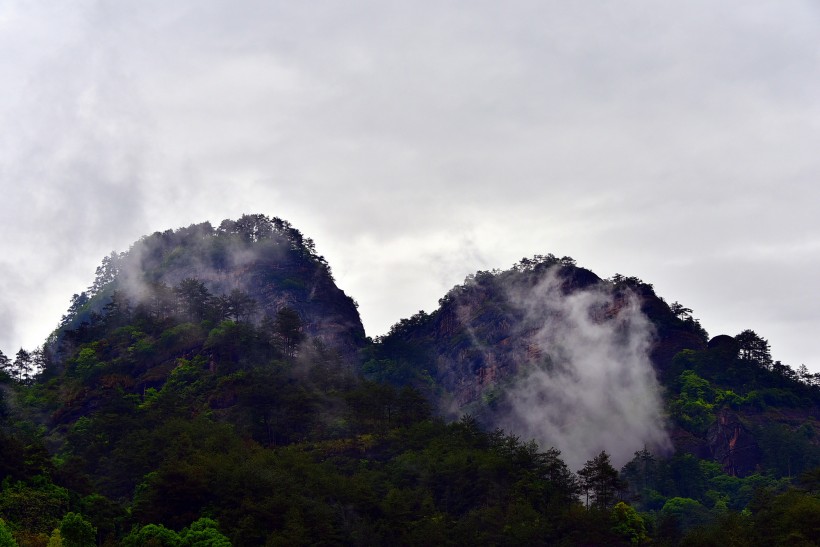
x: 213, y: 386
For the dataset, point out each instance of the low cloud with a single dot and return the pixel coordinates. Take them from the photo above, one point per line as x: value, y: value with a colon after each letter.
x: 593, y: 387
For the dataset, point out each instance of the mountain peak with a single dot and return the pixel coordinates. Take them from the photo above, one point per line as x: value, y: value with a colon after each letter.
x: 252, y: 267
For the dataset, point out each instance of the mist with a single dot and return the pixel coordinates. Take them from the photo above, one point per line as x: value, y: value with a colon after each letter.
x: 592, y: 386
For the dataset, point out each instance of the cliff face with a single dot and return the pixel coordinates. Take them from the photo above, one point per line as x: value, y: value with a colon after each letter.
x: 492, y: 328
x: 547, y: 351
x: 732, y: 445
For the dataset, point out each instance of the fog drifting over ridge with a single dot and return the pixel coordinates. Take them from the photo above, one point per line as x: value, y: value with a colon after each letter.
x: 419, y: 143
x: 599, y: 390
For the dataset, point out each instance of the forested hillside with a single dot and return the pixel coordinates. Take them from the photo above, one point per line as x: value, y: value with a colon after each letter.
x: 213, y: 386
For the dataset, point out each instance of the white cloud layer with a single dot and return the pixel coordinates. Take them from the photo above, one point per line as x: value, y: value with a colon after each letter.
x: 418, y: 142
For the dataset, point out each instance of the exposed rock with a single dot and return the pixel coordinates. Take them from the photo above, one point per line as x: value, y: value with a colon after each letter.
x: 732, y: 445
x: 479, y: 337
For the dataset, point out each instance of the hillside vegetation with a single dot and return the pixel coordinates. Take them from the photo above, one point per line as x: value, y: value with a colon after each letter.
x: 213, y: 386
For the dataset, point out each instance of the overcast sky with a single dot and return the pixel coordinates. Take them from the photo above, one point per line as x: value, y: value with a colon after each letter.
x: 418, y: 142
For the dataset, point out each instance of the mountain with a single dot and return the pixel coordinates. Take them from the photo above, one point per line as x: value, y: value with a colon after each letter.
x: 494, y: 326
x: 250, y: 268
x: 550, y: 351
x: 214, y: 386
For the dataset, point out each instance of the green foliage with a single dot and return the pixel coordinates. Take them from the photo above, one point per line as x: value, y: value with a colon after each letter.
x: 790, y: 518
x: 194, y: 299
x: 600, y: 481
x: 190, y: 405
x: 86, y: 361
x: 151, y: 535
x: 686, y: 512
x: 726, y: 529
x: 697, y: 401
x: 288, y: 327
x: 204, y: 532
x: 788, y: 452
x: 231, y: 343
x: 75, y: 531
x: 754, y: 348
x: 6, y: 538
x: 36, y: 507
x: 627, y: 523
x: 182, y: 337
x: 694, y: 407
x: 56, y: 539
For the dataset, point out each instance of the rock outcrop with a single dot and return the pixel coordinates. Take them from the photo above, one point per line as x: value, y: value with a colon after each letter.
x: 732, y: 445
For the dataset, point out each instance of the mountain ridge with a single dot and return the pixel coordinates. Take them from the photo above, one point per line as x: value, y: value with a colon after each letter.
x: 459, y: 353
x: 219, y: 373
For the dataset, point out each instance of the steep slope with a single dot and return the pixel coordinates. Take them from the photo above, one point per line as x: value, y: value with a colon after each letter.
x: 251, y: 268
x: 747, y: 413
x: 487, y: 329
x: 208, y: 384
x: 240, y: 329
x: 551, y: 351
x: 547, y: 350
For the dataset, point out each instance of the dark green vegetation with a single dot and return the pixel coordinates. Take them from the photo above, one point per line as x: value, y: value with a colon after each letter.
x: 214, y: 387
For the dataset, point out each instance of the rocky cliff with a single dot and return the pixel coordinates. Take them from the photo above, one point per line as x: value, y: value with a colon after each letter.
x: 491, y: 328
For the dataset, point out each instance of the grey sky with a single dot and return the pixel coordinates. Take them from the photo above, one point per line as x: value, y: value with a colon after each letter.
x: 417, y: 142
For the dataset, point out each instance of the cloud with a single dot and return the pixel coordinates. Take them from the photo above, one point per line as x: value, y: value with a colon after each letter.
x: 73, y: 175
x: 590, y: 384
x: 628, y: 137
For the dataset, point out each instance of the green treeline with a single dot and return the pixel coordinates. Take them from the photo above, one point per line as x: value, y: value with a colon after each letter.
x: 163, y: 429
x: 180, y: 415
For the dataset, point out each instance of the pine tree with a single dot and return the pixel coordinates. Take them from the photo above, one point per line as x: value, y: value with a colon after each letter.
x: 754, y: 348
x: 600, y: 481
x: 22, y: 366
x: 5, y: 364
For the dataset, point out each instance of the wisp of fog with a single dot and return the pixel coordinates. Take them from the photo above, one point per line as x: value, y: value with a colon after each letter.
x: 598, y: 390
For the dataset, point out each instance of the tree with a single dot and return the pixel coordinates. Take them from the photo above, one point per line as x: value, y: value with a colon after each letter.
x: 5, y: 364
x: 626, y: 522
x: 804, y: 375
x: 56, y: 539
x: 118, y: 311
x: 6, y: 539
x: 193, y: 298
x: 784, y: 370
x: 158, y: 302
x: 686, y: 513
x: 106, y: 272
x: 288, y: 326
x: 78, y: 302
x: 34, y: 508
x: 204, y: 531
x: 155, y: 535
x: 22, y: 365
x: 563, y: 484
x: 600, y: 480
x: 679, y: 310
x: 253, y: 227
x: 75, y: 531
x: 41, y: 359
x: 240, y: 305
x: 641, y: 474
x: 754, y: 348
